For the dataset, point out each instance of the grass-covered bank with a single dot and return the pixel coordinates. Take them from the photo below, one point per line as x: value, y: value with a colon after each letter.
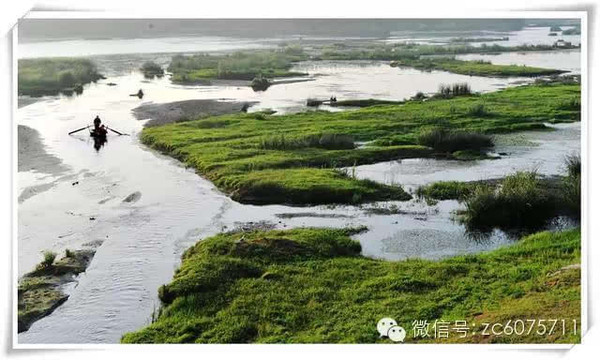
x: 259, y: 66
x: 364, y: 102
x: 39, y: 77
x: 248, y: 65
x: 265, y: 159
x: 475, y: 68
x: 407, y: 50
x: 523, y: 201
x: 312, y: 286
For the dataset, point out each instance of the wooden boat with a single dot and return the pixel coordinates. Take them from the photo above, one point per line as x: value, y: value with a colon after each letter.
x: 99, y: 133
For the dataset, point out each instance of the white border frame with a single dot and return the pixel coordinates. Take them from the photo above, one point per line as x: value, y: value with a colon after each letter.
x: 144, y: 14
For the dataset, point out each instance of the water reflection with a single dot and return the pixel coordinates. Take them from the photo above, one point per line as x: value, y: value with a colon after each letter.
x: 143, y: 240
x: 99, y: 142
x: 484, y: 235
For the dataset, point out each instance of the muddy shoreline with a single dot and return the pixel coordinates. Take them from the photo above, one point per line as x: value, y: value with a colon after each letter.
x: 178, y: 111
x: 32, y: 155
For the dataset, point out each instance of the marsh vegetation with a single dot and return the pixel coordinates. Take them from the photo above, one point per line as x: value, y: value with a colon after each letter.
x: 261, y: 66
x: 237, y: 66
x: 247, y: 158
x: 478, y: 39
x: 250, y: 283
x: 414, y: 51
x: 151, y: 69
x: 39, y: 291
x: 39, y: 77
x: 475, y: 68
x: 313, y: 286
x: 522, y: 202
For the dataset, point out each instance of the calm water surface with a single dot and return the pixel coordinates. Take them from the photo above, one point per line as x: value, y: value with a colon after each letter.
x: 569, y: 60
x: 141, y: 242
x: 525, y: 36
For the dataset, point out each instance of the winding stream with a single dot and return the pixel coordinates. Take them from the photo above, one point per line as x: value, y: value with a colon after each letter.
x: 81, y: 200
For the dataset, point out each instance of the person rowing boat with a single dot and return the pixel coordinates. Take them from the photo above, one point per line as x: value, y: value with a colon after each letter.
x: 139, y: 94
x: 98, y: 133
x: 99, y: 130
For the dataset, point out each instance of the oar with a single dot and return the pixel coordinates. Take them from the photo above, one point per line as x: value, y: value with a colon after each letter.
x: 115, y: 131
x: 78, y: 130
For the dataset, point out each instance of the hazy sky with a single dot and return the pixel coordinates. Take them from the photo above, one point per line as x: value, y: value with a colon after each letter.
x: 42, y: 29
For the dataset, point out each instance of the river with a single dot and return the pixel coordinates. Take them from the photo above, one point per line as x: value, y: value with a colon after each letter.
x: 80, y: 200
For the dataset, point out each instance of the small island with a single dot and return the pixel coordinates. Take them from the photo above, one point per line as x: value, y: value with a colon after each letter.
x: 474, y: 68
x: 296, y: 158
x: 40, y: 291
x: 40, y: 77
x: 253, y: 69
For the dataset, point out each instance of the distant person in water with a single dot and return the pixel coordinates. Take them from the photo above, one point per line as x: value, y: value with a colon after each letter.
x: 99, y: 133
x: 99, y: 129
x: 139, y: 94
x: 97, y: 122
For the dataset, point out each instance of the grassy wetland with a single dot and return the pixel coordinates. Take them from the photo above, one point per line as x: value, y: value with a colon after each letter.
x: 475, y: 68
x: 293, y: 159
x: 522, y: 201
x: 52, y: 76
x: 261, y: 65
x: 409, y: 50
x: 399, y: 201
x: 312, y: 286
x: 39, y: 77
x: 236, y: 66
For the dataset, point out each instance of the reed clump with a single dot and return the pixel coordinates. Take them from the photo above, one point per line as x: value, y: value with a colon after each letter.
x: 447, y: 141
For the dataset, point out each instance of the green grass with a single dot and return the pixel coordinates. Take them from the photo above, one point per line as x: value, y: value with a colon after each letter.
x: 312, y: 286
x: 39, y: 77
x: 521, y: 201
x: 442, y: 140
x: 447, y: 190
x: 365, y: 102
x: 268, y: 64
x: 237, y: 66
x: 151, y: 70
x: 231, y: 150
x: 308, y: 186
x: 49, y: 258
x: 401, y: 51
x: 571, y: 185
x: 40, y: 291
x: 325, y: 141
x: 475, y: 68
x: 449, y: 91
x: 478, y: 39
